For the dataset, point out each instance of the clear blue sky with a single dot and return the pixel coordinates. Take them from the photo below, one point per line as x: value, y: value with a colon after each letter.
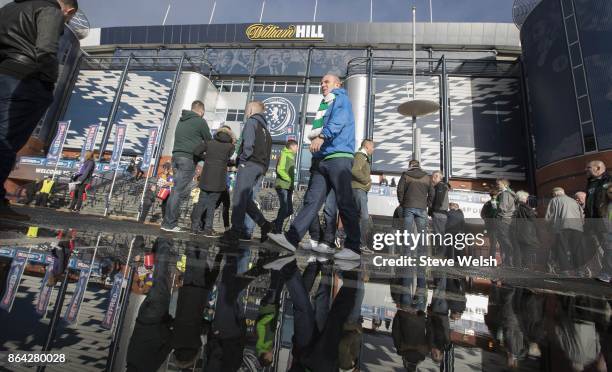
x: 107, y: 13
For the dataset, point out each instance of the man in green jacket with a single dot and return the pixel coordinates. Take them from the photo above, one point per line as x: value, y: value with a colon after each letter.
x: 285, y: 173
x: 361, y: 186
x: 191, y: 130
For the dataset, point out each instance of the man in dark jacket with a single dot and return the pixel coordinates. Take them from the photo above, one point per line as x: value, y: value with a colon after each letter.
x: 524, y: 232
x: 414, y: 193
x: 29, y: 38
x: 595, y: 212
x: 439, y: 205
x: 253, y: 162
x: 191, y: 131
x: 216, y: 153
x: 82, y: 178
x: 506, y: 204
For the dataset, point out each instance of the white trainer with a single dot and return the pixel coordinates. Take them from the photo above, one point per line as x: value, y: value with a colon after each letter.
x: 324, y: 248
x: 347, y: 254
x: 279, y: 263
x: 281, y: 240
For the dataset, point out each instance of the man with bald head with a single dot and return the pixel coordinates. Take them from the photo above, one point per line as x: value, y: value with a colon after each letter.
x: 252, y: 162
x: 332, y: 146
x: 595, y: 212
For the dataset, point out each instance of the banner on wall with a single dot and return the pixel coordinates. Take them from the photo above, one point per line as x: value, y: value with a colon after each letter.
x: 44, y: 295
x: 120, y: 131
x: 14, y: 278
x: 90, y: 140
x: 55, y: 151
x: 281, y: 114
x: 148, y: 155
x: 113, y: 305
x: 72, y: 311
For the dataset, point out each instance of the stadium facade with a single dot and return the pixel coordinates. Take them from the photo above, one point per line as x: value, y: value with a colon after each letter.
x: 529, y: 105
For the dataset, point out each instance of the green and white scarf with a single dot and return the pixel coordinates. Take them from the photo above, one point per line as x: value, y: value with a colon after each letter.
x: 317, y: 124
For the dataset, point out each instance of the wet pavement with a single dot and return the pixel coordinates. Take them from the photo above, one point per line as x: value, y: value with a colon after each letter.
x: 143, y: 300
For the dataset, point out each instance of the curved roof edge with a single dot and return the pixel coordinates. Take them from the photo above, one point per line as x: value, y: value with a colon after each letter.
x: 502, y: 36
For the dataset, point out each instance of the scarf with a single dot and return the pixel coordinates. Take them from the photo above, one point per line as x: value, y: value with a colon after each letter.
x: 317, y: 124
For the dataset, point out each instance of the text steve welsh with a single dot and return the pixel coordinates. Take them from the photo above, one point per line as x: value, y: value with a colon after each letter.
x: 426, y: 261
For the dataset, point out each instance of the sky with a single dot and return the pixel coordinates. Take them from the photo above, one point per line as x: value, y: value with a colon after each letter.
x: 109, y: 13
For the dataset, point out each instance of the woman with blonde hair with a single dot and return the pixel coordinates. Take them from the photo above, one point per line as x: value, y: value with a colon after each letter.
x: 81, y: 179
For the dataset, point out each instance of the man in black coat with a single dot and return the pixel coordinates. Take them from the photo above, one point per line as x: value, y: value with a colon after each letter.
x: 29, y: 39
x: 596, y: 213
x: 438, y: 209
x: 524, y: 231
x: 216, y: 153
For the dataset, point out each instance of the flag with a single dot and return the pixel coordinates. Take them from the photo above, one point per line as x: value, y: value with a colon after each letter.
x: 14, y: 278
x: 72, y: 312
x: 45, y: 291
x: 113, y: 304
x: 148, y: 155
x: 55, y: 151
x: 90, y: 140
x: 120, y: 130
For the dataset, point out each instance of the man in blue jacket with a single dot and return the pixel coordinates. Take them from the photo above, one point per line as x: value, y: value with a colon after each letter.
x: 333, y: 147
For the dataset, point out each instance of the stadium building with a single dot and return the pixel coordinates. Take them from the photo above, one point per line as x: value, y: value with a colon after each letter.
x: 532, y: 117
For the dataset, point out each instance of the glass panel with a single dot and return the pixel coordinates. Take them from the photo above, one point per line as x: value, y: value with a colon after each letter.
x: 585, y: 110
x: 332, y: 61
x: 287, y: 62
x: 231, y: 61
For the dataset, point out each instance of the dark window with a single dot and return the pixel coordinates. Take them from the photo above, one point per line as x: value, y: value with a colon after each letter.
x: 581, y: 88
x: 575, y: 55
x: 572, y: 34
x: 585, y: 110
x: 588, y: 136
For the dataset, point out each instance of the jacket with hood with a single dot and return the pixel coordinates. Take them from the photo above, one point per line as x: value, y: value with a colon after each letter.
x: 524, y: 227
x: 256, y: 142
x: 29, y: 37
x: 361, y: 172
x: 216, y: 154
x: 190, y: 131
x: 414, y: 189
x: 338, y: 128
x: 285, y: 170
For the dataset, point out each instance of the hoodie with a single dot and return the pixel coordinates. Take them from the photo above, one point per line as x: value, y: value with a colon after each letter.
x: 285, y: 170
x: 216, y: 154
x: 414, y: 189
x: 190, y: 131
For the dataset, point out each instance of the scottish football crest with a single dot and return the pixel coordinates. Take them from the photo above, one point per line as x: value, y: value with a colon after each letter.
x: 280, y: 115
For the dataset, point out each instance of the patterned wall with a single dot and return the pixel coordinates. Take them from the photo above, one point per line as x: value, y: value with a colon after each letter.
x: 488, y: 139
x: 142, y: 106
x: 393, y: 132
x: 486, y: 126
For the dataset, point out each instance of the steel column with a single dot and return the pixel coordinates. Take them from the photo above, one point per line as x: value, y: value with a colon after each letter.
x: 114, y: 109
x: 304, y: 112
x: 445, y: 124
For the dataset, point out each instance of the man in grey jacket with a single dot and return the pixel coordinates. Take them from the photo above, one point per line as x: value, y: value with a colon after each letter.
x: 29, y: 37
x: 506, y: 205
x: 565, y: 218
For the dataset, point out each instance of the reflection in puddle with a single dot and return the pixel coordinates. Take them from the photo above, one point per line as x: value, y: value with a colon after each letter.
x: 201, y: 305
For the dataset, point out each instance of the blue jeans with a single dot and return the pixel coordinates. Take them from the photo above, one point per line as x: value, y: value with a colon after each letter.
x: 326, y: 234
x: 326, y: 175
x: 184, y: 169
x: 207, y: 202
x: 249, y: 224
x: 22, y: 105
x: 243, y: 204
x: 361, y: 199
x: 285, y: 208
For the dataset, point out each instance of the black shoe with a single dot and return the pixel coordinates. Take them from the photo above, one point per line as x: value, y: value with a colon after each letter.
x: 265, y: 229
x: 244, y: 237
x: 230, y: 237
x: 210, y: 233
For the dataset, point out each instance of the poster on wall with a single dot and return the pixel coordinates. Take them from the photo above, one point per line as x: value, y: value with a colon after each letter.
x: 281, y: 114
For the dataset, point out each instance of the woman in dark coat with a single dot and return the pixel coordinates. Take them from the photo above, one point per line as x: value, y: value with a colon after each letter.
x: 82, y: 178
x: 216, y: 154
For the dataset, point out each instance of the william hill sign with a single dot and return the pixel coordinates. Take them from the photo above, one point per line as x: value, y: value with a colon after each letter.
x: 272, y: 32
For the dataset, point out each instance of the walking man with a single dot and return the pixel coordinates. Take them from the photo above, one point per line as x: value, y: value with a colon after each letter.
x: 596, y: 212
x: 439, y: 205
x: 414, y: 193
x: 565, y: 218
x: 29, y: 39
x: 191, y: 131
x: 506, y: 205
x: 332, y: 146
x: 361, y: 186
x: 285, y: 174
x: 253, y: 162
